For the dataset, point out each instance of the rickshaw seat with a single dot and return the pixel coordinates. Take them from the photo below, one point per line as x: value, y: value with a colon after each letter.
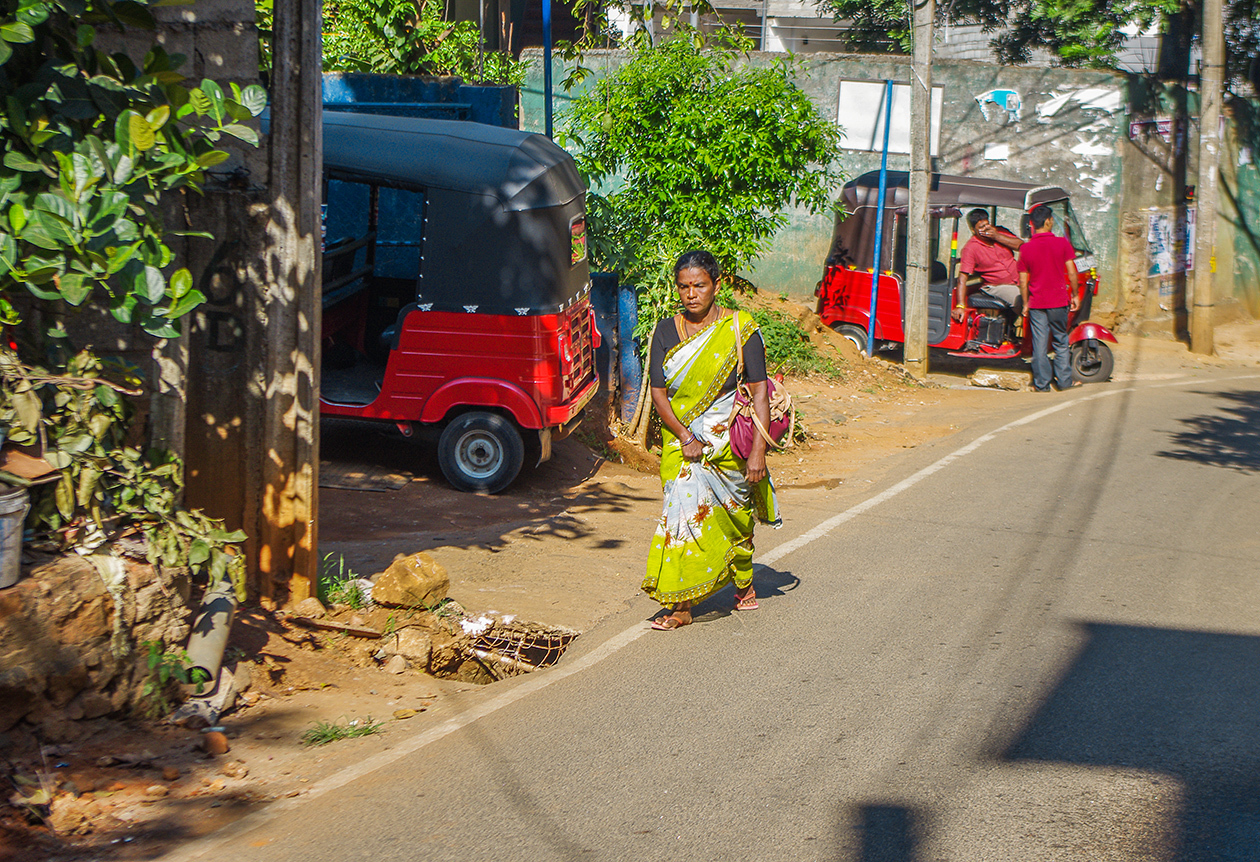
x: 980, y: 299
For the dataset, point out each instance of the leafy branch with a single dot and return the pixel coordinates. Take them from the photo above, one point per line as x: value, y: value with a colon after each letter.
x: 93, y: 143
x: 106, y: 489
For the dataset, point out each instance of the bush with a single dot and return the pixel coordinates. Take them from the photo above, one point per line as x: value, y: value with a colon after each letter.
x: 684, y: 148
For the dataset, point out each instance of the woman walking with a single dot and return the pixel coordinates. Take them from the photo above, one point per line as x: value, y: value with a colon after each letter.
x: 712, y: 497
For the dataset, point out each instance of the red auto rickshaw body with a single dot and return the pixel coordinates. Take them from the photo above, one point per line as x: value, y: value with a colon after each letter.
x: 457, y: 296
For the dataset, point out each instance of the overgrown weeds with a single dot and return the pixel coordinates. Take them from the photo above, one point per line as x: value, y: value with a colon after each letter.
x: 788, y: 348
x: 337, y: 583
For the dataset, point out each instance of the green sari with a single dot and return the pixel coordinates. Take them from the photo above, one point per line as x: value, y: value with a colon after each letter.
x: 703, y: 540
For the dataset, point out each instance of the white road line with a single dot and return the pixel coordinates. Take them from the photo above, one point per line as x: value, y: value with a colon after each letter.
x: 197, y: 849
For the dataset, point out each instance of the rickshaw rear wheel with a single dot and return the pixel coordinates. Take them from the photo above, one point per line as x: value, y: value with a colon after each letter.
x: 852, y: 332
x: 480, y: 451
x: 1092, y: 361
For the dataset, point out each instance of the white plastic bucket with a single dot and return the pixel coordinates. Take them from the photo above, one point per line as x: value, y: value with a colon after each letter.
x: 14, y: 504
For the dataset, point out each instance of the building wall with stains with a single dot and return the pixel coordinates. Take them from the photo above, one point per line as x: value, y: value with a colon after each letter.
x: 1106, y: 137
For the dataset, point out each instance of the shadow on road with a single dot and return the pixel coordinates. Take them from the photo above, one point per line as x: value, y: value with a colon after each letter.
x: 1179, y: 703
x: 1231, y: 440
x: 887, y: 834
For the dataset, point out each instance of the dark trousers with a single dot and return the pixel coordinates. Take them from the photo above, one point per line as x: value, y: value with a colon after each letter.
x: 1050, y: 324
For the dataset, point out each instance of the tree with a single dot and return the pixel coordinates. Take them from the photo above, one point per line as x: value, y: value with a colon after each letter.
x: 1077, y: 32
x: 402, y: 37
x: 684, y: 148
x: 93, y: 143
x: 96, y: 148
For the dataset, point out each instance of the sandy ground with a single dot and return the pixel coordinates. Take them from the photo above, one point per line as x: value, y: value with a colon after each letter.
x: 565, y: 545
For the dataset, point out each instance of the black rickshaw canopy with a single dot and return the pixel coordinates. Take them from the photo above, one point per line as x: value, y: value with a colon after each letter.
x: 501, y: 208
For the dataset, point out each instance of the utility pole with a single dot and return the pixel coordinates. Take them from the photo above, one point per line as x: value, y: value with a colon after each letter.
x: 287, y: 380
x: 918, y: 267
x: 1211, y: 84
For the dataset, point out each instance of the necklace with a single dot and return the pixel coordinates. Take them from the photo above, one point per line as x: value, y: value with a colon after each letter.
x: 687, y: 325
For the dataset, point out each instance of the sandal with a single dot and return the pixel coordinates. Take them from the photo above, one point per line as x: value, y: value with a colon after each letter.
x: 746, y: 602
x: 670, y: 622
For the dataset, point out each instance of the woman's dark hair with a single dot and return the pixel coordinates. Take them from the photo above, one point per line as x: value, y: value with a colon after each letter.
x: 699, y: 259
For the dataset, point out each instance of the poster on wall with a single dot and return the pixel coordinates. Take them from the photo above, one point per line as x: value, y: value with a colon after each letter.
x: 1170, y: 243
x: 860, y: 115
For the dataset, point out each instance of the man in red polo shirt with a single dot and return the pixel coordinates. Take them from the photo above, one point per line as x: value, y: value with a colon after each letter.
x: 1047, y: 274
x: 989, y: 254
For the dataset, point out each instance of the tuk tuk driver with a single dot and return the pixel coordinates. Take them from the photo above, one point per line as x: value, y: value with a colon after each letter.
x: 989, y: 254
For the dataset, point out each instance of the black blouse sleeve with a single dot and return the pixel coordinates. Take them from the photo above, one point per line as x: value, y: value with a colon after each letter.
x: 755, y: 359
x: 656, y: 356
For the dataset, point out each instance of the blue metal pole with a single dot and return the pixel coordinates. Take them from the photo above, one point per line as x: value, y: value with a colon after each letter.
x: 546, y: 4
x: 879, y: 219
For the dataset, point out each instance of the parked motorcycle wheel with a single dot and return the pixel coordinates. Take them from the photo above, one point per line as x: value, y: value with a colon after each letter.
x: 1092, y: 361
x: 853, y: 333
x: 480, y: 451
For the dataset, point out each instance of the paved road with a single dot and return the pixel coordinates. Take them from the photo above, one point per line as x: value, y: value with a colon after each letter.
x: 1046, y: 648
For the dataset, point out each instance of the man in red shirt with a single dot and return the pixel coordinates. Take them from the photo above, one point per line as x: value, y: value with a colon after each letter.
x: 1047, y: 276
x: 989, y: 254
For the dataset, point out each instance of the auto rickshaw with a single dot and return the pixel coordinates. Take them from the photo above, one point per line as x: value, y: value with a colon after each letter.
x: 987, y: 330
x: 456, y: 290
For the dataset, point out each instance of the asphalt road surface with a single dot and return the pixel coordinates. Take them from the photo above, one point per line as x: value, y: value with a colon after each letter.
x: 1036, y: 640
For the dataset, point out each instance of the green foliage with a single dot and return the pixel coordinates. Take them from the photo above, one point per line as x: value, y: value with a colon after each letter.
x: 336, y: 583
x: 167, y: 667
x: 683, y: 148
x: 93, y: 142
x: 325, y: 732
x: 1078, y: 32
x: 107, y: 488
x: 788, y: 348
x: 400, y: 37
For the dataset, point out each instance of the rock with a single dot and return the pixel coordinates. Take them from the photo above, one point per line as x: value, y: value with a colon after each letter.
x: 402, y: 714
x: 250, y: 698
x: 106, y: 761
x: 311, y: 608
x: 215, y: 743
x: 195, y: 714
x: 216, y: 785
x: 396, y: 664
x: 170, y: 773
x: 93, y: 704
x: 235, y: 769
x: 156, y: 791
x: 70, y: 816
x: 411, y: 582
x: 412, y: 642
x: 988, y: 378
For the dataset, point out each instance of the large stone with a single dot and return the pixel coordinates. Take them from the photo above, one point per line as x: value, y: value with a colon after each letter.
x: 412, y: 582
x: 311, y: 608
x: 412, y: 642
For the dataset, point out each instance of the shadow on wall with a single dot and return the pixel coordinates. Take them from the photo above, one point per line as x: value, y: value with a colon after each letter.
x: 1240, y: 189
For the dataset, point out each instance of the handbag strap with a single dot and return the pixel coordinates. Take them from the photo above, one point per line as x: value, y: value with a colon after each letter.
x: 739, y: 373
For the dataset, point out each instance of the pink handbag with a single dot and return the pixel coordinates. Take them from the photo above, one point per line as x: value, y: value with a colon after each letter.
x: 744, y: 422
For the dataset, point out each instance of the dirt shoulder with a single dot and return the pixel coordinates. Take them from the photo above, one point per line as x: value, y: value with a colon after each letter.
x: 564, y: 546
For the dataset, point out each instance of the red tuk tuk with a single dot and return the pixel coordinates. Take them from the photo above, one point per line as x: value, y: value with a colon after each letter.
x: 985, y: 332
x: 456, y: 289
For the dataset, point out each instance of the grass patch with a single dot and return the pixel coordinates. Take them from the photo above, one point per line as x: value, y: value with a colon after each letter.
x: 335, y: 583
x: 788, y: 348
x: 325, y: 732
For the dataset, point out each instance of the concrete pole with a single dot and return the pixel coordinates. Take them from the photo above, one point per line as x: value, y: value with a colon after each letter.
x: 918, y: 266
x: 288, y: 378
x: 1210, y: 86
